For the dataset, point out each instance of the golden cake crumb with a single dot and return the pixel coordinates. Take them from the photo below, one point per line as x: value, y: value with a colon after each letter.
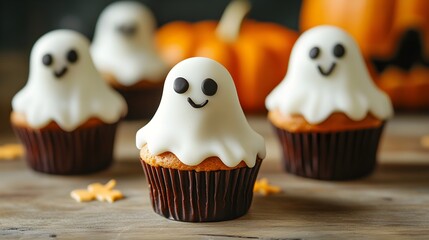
x: 263, y: 187
x: 425, y: 141
x: 11, y: 151
x: 98, y: 191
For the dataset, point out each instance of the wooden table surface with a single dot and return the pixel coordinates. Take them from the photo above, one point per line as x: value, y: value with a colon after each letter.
x: 393, y: 203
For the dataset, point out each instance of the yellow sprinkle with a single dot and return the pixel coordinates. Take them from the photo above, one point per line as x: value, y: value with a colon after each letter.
x: 96, y: 187
x: 98, y: 191
x: 263, y: 187
x: 111, y: 184
x: 425, y: 141
x: 11, y: 151
x: 113, y: 196
x: 82, y: 195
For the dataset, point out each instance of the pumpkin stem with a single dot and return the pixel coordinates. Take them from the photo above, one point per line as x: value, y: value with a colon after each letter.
x: 229, y: 25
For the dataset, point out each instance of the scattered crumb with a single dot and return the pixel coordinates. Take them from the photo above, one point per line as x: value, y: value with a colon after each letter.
x: 425, y: 141
x: 11, y: 151
x: 82, y: 195
x: 263, y: 187
x: 98, y: 191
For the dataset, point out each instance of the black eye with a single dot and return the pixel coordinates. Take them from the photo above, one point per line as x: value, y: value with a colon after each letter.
x: 180, y: 85
x: 209, y: 87
x: 72, y: 56
x: 128, y: 30
x: 339, y: 50
x: 47, y: 59
x: 314, y: 52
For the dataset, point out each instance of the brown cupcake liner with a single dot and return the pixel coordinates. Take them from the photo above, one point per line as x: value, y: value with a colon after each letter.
x: 342, y: 155
x: 84, y: 150
x: 142, y: 102
x: 192, y: 196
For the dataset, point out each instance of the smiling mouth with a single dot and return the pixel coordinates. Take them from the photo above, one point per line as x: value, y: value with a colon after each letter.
x: 327, y: 73
x: 60, y: 73
x: 194, y: 105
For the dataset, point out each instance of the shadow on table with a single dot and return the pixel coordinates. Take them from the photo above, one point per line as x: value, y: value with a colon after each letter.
x: 120, y: 170
x: 289, y: 206
x: 399, y: 175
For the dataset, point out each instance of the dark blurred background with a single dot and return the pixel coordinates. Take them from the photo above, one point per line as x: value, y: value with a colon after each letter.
x: 22, y: 22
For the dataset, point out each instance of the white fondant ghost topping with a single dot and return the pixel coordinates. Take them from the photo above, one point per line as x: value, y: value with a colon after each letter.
x: 64, y: 86
x: 200, y: 116
x: 124, y: 44
x: 327, y: 74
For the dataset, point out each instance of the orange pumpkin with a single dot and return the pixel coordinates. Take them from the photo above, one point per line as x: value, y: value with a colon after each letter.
x: 393, y: 36
x: 255, y: 53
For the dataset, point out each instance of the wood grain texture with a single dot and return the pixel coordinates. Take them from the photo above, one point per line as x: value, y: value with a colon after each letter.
x: 393, y: 203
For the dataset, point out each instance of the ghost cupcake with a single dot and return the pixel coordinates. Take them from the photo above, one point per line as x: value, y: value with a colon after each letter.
x: 327, y: 112
x: 124, y: 52
x: 66, y: 115
x: 199, y: 154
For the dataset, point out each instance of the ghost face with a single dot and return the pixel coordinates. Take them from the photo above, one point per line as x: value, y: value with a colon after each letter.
x: 208, y: 88
x: 127, y: 30
x: 337, y: 52
x: 59, y: 55
x: 325, y: 53
x: 71, y: 57
x: 199, y: 84
x: 126, y: 23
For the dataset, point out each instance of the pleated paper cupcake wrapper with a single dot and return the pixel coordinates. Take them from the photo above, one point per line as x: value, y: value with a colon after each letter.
x: 142, y: 103
x: 84, y: 150
x: 192, y: 196
x: 342, y: 155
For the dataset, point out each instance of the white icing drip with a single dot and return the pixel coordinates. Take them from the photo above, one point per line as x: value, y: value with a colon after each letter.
x: 130, y: 58
x: 348, y: 89
x: 193, y: 134
x: 73, y: 98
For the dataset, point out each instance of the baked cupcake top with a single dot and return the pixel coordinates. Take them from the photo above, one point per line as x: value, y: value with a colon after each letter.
x: 327, y: 75
x: 64, y: 86
x: 124, y: 44
x: 200, y: 117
